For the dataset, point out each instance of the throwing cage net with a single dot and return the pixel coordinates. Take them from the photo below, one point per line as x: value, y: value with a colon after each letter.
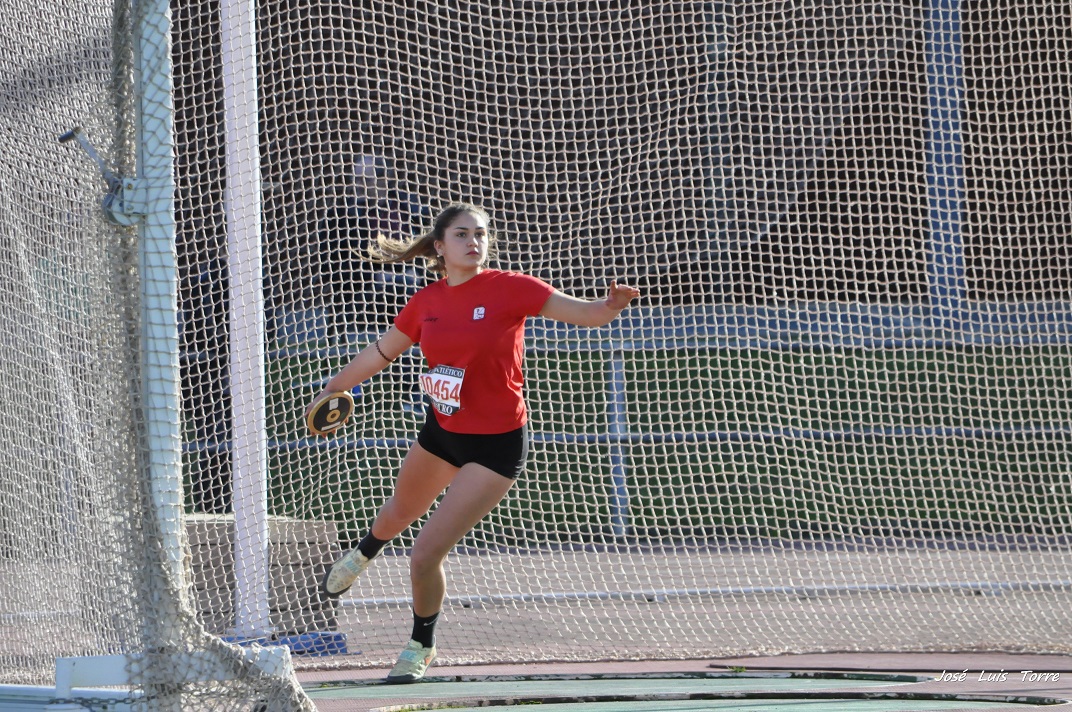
x: 838, y: 419
x: 95, y: 609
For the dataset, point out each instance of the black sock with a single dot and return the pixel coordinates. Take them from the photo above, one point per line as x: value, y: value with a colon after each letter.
x: 370, y: 545
x: 424, y: 629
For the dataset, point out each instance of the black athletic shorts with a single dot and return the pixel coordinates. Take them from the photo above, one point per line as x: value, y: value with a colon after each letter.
x: 504, y: 453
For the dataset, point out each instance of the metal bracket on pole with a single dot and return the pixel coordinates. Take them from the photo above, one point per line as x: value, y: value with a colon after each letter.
x: 124, y: 204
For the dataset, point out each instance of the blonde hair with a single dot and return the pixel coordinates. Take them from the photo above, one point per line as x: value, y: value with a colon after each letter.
x: 388, y: 250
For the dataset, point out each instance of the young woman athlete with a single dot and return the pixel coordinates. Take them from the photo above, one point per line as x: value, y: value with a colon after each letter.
x: 470, y: 326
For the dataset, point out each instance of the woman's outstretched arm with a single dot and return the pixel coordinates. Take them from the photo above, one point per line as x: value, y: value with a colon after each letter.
x: 562, y: 307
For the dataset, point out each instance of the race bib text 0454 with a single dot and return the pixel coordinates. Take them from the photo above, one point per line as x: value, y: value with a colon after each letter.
x: 443, y: 384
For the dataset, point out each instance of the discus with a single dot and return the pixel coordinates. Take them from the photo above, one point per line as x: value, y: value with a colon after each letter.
x: 330, y: 413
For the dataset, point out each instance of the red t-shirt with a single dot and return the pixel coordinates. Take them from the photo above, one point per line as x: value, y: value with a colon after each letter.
x: 473, y: 337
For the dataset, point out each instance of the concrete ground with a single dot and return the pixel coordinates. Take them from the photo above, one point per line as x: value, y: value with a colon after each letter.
x: 931, y: 681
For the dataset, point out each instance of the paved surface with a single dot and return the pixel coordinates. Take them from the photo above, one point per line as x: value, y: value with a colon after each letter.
x: 889, y: 682
x: 714, y: 603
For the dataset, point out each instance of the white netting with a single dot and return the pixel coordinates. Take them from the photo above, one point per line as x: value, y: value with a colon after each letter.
x: 839, y: 419
x: 62, y: 357
x: 91, y: 559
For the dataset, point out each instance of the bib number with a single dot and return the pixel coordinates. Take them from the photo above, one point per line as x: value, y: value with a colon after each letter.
x: 443, y: 384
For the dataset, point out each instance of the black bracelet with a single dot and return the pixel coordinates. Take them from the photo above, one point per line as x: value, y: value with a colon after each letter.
x: 381, y: 353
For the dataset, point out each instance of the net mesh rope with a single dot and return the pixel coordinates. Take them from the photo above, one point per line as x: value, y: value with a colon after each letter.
x: 67, y: 410
x: 837, y: 420
x: 86, y: 563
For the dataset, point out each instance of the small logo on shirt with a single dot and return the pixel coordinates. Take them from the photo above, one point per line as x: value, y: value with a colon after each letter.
x: 478, y: 313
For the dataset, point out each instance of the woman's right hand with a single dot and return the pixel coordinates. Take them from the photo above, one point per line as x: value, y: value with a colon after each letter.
x: 314, y: 401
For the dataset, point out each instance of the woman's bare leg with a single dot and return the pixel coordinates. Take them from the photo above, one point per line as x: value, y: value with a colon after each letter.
x: 473, y: 493
x: 421, y: 479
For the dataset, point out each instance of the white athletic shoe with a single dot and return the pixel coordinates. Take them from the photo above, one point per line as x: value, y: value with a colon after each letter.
x: 412, y: 663
x: 342, y: 574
